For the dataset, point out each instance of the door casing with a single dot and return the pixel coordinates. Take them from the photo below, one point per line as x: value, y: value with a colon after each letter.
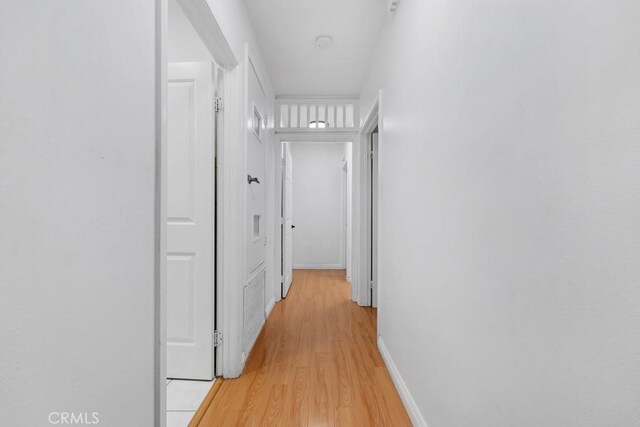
x: 372, y: 217
x: 284, y: 137
x: 361, y: 188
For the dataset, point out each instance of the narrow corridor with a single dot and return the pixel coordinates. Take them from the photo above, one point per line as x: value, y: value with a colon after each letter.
x: 315, y: 363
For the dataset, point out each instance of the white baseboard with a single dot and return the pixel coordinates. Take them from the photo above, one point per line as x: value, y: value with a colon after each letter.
x: 270, y: 306
x: 410, y: 405
x: 318, y: 267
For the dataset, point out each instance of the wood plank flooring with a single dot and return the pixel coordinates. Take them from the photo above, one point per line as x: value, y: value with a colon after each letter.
x: 315, y: 363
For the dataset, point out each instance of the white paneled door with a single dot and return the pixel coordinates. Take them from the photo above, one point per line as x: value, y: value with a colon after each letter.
x: 190, y: 220
x: 287, y: 221
x: 255, y: 295
x: 256, y: 175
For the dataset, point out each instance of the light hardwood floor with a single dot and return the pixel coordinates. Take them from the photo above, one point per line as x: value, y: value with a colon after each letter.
x: 315, y: 363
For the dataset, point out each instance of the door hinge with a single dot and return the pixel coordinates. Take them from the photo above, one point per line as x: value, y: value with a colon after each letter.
x: 371, y: 155
x: 218, y: 104
x: 371, y: 285
x: 217, y: 338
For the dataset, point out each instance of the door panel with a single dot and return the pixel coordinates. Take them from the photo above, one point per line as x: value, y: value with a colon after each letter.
x: 190, y: 220
x: 180, y: 270
x: 256, y: 168
x: 287, y: 197
x: 254, y: 304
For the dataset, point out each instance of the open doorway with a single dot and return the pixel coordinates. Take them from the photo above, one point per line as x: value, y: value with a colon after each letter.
x: 369, y: 201
x: 194, y: 84
x: 315, y: 208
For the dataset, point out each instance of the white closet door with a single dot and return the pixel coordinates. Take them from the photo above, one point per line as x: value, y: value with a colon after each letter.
x: 190, y: 220
x: 288, y: 222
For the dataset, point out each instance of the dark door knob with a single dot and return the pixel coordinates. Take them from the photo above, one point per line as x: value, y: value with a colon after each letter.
x: 293, y: 226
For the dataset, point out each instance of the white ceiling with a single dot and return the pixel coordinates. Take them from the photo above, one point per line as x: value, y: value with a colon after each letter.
x: 287, y: 30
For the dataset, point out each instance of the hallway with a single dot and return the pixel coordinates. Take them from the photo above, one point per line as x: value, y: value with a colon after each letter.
x: 315, y: 363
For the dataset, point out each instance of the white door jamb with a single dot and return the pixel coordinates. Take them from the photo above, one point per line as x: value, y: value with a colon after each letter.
x: 361, y: 262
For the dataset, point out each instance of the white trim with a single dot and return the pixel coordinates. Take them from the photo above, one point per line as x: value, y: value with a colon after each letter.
x: 360, y: 157
x: 299, y: 139
x: 405, y: 395
x: 343, y: 212
x: 228, y: 246
x: 325, y: 135
x: 313, y: 103
x: 160, y: 273
x: 201, y: 17
x: 302, y: 98
x: 231, y: 226
x: 270, y: 306
x: 221, y: 82
x: 319, y: 267
x: 310, y: 131
x: 380, y: 174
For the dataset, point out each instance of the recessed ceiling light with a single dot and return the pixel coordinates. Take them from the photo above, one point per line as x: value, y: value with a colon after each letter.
x: 324, y: 42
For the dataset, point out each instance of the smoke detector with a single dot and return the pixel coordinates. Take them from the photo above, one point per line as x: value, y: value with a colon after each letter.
x: 324, y: 42
x: 393, y: 5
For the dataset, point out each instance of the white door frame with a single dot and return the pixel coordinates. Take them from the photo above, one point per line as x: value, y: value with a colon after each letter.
x: 227, y: 212
x: 372, y: 216
x: 345, y: 219
x: 305, y: 137
x: 361, y: 191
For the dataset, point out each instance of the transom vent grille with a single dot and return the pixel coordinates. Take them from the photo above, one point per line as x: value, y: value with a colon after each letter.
x: 317, y: 114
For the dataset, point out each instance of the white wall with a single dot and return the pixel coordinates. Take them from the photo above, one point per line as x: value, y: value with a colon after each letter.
x: 77, y: 184
x: 183, y: 42
x: 318, y: 205
x: 510, y: 216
